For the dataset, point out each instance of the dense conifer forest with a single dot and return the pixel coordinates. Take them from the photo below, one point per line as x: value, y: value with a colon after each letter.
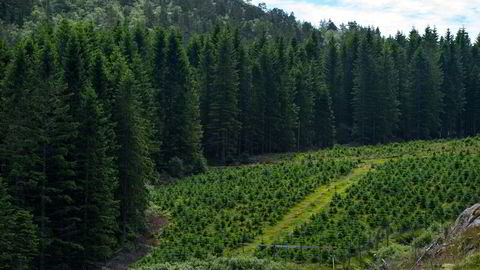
x: 100, y: 100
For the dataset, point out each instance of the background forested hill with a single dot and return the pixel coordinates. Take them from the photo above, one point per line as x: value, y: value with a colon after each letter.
x: 98, y: 99
x: 192, y: 16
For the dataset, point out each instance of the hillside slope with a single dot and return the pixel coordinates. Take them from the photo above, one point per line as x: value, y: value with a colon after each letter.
x: 398, y: 207
x: 190, y: 16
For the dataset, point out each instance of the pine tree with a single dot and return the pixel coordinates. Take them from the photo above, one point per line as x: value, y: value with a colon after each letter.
x: 473, y: 96
x: 288, y: 116
x: 323, y: 115
x: 4, y: 58
x: 425, y: 98
x: 19, y: 236
x: 273, y: 120
x: 388, y: 107
x: 179, y: 107
x: 348, y: 56
x: 134, y: 164
x: 334, y: 89
x: 99, y: 79
x: 55, y: 210
x: 223, y: 125
x: 158, y: 67
x: 365, y: 92
x: 206, y: 85
x: 304, y: 101
x: 194, y: 52
x: 97, y: 177
x: 399, y: 56
x: 245, y: 107
x: 467, y: 61
x: 18, y: 193
x: 452, y: 87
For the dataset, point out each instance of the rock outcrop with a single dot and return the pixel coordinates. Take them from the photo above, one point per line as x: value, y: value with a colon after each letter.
x: 468, y: 219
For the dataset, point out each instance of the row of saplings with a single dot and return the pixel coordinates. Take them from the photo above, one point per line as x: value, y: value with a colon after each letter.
x: 398, y: 201
x: 224, y: 208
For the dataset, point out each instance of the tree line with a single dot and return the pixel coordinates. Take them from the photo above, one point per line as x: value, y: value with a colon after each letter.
x: 90, y: 117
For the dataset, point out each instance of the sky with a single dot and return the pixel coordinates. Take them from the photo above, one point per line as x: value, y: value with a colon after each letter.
x: 389, y: 15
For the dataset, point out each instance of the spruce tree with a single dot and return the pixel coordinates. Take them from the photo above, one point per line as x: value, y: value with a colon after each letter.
x: 388, y: 107
x: 288, y: 116
x: 425, y: 98
x: 365, y: 92
x: 206, y: 85
x: 158, y: 67
x: 245, y: 107
x: 399, y: 56
x: 301, y: 81
x: 135, y: 167
x: 334, y: 89
x: 19, y: 235
x: 452, y: 88
x: 181, y: 137
x: 55, y: 209
x: 223, y: 125
x: 97, y: 177
x: 273, y: 120
x: 467, y: 61
x: 323, y: 115
x: 4, y: 58
x: 348, y: 56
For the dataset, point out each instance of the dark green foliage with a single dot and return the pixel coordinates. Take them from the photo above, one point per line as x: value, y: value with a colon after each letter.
x: 425, y: 98
x: 19, y: 235
x: 135, y: 168
x: 224, y: 208
x: 323, y: 120
x: 180, y: 135
x: 97, y: 178
x: 223, y: 126
x: 399, y: 199
x: 4, y: 58
x: 453, y: 88
x: 93, y: 111
x: 366, y: 92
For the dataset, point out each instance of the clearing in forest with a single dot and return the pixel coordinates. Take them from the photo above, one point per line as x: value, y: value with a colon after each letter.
x: 312, y: 204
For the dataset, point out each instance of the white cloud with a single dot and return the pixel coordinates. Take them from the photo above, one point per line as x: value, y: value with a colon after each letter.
x: 388, y: 15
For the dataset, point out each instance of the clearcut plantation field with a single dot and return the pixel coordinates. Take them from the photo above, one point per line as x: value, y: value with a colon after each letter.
x: 346, y: 200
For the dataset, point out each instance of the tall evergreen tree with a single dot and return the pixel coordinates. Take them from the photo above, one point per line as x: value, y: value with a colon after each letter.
x: 399, y: 56
x: 301, y: 82
x: 468, y: 63
x: 288, y: 116
x: 181, y: 135
x: 452, y: 87
x: 206, y: 85
x: 349, y: 52
x: 245, y: 107
x: 4, y: 58
x: 366, y: 92
x: 223, y: 125
x: 425, y: 98
x: 55, y: 209
x: 158, y: 67
x: 323, y: 114
x: 19, y: 238
x: 388, y: 107
x: 331, y: 69
x: 97, y: 176
x: 135, y: 167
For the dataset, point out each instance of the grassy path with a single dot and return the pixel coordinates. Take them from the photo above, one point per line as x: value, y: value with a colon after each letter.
x: 312, y: 204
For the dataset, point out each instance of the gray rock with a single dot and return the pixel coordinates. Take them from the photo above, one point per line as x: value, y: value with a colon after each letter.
x: 468, y: 219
